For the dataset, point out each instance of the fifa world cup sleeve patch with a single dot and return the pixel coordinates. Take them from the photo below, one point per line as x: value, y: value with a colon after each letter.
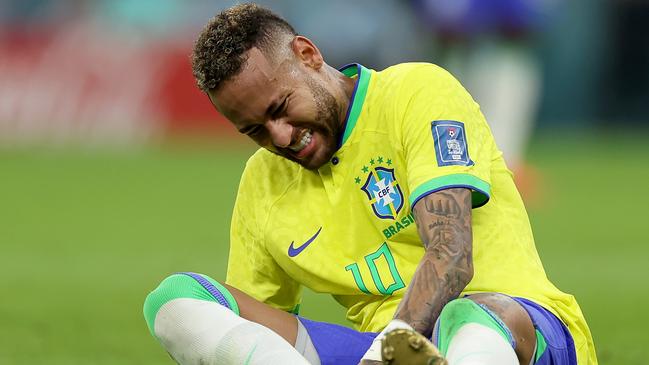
x: 450, y: 143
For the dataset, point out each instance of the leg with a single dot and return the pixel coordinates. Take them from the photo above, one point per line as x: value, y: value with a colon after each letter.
x: 196, y: 320
x: 490, y: 328
x: 282, y: 323
x: 515, y: 319
x: 484, y: 329
x: 487, y: 328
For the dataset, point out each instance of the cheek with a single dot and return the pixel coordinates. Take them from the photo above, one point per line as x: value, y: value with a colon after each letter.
x: 303, y: 107
x: 303, y: 110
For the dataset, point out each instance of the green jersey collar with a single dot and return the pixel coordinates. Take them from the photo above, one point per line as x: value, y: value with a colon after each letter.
x: 357, y: 99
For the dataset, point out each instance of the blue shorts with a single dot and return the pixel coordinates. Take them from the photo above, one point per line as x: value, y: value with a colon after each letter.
x: 560, y: 348
x: 339, y: 345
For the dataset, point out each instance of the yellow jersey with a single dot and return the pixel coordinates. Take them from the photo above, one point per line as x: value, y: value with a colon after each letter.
x: 347, y: 229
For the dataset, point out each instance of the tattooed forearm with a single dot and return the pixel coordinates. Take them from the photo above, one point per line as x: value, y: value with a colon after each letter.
x: 444, y: 226
x: 443, y: 204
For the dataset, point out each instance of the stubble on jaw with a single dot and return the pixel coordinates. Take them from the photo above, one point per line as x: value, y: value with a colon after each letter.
x: 328, y: 111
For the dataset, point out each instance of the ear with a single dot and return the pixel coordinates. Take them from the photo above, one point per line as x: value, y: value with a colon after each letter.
x: 306, y: 52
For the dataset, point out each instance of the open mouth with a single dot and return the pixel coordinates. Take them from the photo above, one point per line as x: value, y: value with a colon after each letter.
x: 307, y: 136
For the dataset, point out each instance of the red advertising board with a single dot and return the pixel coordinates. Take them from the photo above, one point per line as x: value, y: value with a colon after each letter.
x: 76, y: 82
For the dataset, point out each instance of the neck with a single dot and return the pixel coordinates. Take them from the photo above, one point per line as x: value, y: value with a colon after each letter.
x: 344, y: 90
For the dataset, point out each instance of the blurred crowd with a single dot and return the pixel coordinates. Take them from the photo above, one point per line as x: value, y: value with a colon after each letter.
x: 103, y: 67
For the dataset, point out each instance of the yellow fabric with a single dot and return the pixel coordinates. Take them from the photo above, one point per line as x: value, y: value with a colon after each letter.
x: 366, y: 261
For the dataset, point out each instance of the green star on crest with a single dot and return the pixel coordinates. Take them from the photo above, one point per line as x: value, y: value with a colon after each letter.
x: 358, y: 180
x: 372, y: 162
x: 365, y: 169
x: 380, y: 159
x: 389, y: 162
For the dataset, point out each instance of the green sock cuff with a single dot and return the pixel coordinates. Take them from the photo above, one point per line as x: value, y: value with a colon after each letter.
x: 230, y: 302
x: 459, y: 312
x: 183, y: 285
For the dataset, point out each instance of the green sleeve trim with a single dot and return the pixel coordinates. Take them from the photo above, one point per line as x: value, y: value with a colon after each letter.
x: 358, y: 96
x: 480, y: 188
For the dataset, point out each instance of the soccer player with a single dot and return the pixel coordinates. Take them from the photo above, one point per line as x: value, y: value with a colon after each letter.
x: 384, y: 189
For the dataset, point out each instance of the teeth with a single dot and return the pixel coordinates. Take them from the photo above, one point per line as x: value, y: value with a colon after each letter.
x: 306, y: 139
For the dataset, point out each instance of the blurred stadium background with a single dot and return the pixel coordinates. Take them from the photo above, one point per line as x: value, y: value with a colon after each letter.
x: 115, y: 171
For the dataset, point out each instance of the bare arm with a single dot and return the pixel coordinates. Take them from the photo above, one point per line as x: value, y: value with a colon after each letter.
x: 444, y: 225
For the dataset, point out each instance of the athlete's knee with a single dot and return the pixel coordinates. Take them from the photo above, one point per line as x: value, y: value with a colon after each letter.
x: 185, y: 288
x: 183, y: 312
x: 462, y: 311
x: 197, y: 321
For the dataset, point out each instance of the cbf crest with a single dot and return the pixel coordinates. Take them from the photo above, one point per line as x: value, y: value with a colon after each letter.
x: 381, y: 188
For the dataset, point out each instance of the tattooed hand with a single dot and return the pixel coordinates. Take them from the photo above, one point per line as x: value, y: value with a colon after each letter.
x: 444, y: 225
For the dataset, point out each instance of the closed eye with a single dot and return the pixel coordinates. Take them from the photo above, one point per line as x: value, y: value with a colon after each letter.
x: 251, y: 130
x: 255, y: 131
x: 281, y: 109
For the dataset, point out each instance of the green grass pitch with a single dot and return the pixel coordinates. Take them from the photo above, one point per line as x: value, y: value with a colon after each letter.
x: 84, y: 235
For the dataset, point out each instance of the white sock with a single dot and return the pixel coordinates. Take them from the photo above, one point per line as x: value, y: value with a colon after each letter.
x: 475, y: 344
x: 304, y: 345
x: 199, y: 332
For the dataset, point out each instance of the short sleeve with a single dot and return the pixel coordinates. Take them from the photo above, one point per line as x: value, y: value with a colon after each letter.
x: 446, y: 140
x: 251, y: 268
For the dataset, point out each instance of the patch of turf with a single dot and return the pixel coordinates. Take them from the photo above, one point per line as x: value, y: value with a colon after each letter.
x: 86, y: 234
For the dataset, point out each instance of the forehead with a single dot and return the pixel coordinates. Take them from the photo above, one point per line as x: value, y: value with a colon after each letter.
x: 246, y: 97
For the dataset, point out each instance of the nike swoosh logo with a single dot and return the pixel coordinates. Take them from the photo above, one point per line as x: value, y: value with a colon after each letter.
x: 292, y: 251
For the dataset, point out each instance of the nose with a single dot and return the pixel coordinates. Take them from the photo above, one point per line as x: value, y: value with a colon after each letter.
x: 280, y: 132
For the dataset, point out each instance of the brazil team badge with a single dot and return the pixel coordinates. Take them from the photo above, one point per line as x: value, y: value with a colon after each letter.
x: 382, y: 189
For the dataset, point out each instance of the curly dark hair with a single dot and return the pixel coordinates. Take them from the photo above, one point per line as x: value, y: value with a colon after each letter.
x: 220, y: 50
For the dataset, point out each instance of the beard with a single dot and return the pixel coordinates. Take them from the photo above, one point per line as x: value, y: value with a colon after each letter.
x: 327, y: 108
x: 326, y: 124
